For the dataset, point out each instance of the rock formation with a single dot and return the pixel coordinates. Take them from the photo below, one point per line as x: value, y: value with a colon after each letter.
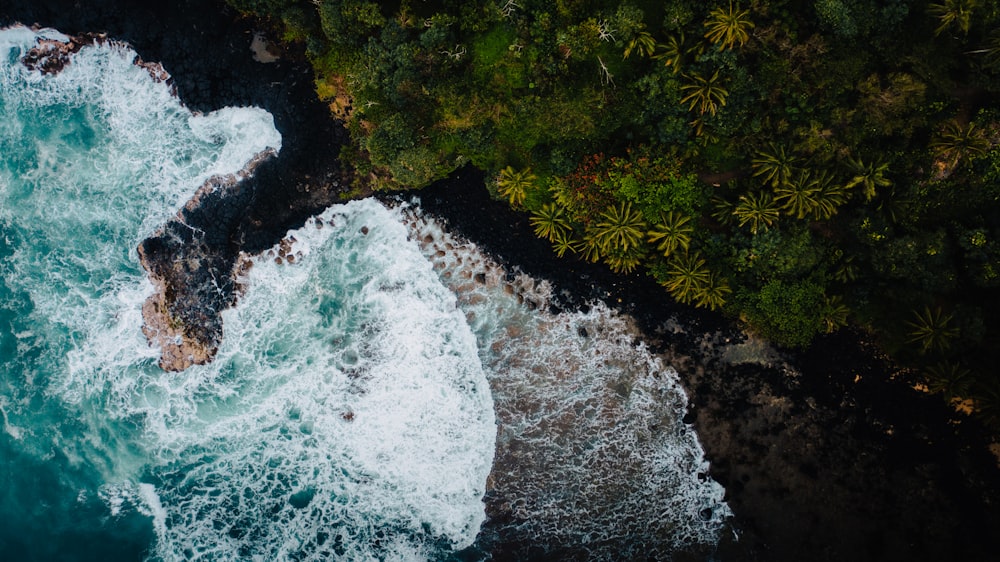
x: 194, y: 279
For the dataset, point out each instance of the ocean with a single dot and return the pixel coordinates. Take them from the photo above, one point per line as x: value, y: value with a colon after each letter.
x: 373, y: 399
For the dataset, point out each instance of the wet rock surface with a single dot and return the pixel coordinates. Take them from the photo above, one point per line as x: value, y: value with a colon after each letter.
x: 193, y: 282
x: 51, y: 56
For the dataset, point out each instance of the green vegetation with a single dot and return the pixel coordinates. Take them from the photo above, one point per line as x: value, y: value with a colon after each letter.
x: 726, y: 28
x: 672, y: 233
x: 515, y: 185
x: 797, y: 165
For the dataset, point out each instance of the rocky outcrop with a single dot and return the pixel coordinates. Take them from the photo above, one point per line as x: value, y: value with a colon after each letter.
x: 194, y: 279
x: 51, y: 56
x: 195, y: 259
x: 263, y: 51
x: 182, y: 343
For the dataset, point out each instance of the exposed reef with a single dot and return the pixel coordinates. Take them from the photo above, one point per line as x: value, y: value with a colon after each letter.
x: 52, y: 56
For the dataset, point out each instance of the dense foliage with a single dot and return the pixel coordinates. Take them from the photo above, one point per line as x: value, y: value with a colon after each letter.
x: 797, y: 164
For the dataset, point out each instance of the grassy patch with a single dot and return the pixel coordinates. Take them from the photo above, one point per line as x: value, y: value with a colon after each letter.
x: 495, y: 63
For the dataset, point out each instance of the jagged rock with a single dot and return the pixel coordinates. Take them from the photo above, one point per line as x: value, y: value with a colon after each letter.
x: 194, y: 277
x: 263, y: 51
x: 50, y: 56
x: 178, y: 349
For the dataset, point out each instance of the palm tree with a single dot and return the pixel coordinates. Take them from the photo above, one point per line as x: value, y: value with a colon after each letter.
x: 687, y: 275
x: 673, y: 232
x: 672, y: 52
x: 698, y: 124
x: 947, y: 378
x: 726, y: 28
x: 986, y: 396
x: 992, y: 49
x: 589, y: 248
x: 514, y: 185
x: 712, y: 294
x: 757, y: 210
x: 722, y: 210
x: 619, y: 228
x: 955, y: 142
x: 931, y: 329
x: 894, y: 208
x: 835, y: 313
x: 704, y: 93
x: 643, y: 43
x: 830, y: 195
x: 846, y: 270
x: 798, y: 197
x: 776, y: 165
x: 563, y: 242
x: 953, y: 13
x: 623, y: 261
x: 550, y: 221
x: 869, y: 176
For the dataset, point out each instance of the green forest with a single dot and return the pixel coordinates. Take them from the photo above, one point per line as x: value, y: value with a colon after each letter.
x: 798, y: 165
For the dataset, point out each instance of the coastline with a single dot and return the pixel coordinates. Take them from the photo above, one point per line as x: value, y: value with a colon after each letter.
x: 820, y: 465
x: 825, y: 453
x: 209, y: 52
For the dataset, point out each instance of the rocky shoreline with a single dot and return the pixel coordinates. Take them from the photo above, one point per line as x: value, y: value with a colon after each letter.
x: 216, y: 59
x: 182, y: 316
x: 826, y: 454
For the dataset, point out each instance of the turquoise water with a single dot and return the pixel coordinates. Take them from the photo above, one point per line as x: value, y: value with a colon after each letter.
x: 360, y: 398
x: 297, y: 440
x: 85, y: 169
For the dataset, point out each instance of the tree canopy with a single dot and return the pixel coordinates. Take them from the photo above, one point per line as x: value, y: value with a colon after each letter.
x: 798, y: 165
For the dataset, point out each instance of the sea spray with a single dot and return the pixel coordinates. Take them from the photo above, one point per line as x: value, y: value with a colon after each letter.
x: 593, y: 458
x: 92, y: 160
x: 346, y: 414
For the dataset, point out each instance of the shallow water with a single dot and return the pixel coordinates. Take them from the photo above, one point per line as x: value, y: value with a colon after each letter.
x: 352, y: 411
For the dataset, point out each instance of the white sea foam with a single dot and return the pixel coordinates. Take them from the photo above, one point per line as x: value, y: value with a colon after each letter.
x: 345, y: 415
x: 151, y: 505
x: 592, y: 452
x: 13, y: 431
x: 95, y: 159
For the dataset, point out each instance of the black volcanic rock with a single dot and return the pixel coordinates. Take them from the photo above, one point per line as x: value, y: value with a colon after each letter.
x: 826, y: 454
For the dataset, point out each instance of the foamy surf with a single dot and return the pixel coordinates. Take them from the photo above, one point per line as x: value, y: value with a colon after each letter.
x: 346, y: 414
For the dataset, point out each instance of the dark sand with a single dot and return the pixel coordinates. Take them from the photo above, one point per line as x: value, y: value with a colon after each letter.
x: 824, y: 456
